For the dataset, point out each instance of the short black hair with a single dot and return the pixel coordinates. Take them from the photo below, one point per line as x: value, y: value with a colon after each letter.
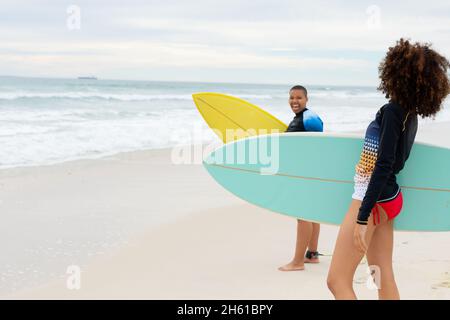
x: 300, y: 88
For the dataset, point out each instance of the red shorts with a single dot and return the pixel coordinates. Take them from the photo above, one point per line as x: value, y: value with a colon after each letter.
x: 392, y: 207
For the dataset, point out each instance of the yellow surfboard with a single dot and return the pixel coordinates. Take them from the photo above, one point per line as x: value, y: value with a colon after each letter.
x: 232, y: 118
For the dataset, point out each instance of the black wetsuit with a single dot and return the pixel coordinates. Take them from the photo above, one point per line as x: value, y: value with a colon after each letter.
x: 305, y: 120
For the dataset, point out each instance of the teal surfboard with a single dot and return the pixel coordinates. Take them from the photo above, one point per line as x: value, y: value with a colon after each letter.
x: 310, y: 176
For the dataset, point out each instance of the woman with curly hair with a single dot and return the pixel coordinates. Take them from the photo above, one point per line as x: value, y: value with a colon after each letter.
x: 414, y: 79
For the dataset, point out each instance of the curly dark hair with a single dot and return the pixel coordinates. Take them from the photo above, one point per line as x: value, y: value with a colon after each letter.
x: 415, y: 77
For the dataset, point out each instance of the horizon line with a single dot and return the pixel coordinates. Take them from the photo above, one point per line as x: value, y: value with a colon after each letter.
x: 188, y: 81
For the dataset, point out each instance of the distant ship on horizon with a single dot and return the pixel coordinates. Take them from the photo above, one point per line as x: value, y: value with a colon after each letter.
x: 87, y: 78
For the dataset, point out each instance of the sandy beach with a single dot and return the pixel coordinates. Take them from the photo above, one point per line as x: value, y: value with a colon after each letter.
x: 141, y: 227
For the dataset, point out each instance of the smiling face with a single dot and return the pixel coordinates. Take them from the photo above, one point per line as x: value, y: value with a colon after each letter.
x: 297, y: 100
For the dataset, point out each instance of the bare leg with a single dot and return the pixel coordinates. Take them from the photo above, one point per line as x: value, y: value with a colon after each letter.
x: 304, y: 231
x: 314, y: 242
x: 346, y: 257
x: 379, y: 254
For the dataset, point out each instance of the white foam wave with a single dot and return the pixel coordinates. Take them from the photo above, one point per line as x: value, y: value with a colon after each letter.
x: 110, y: 96
x: 91, y: 95
x: 160, y: 97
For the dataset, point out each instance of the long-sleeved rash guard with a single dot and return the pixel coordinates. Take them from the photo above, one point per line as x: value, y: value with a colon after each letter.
x: 387, y: 144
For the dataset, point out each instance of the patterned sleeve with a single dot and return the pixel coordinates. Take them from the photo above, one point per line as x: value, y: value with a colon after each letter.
x: 390, y: 131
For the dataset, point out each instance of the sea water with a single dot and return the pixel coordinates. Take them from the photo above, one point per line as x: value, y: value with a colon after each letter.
x: 44, y: 121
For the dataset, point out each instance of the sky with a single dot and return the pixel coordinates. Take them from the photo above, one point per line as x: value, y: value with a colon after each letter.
x: 266, y: 41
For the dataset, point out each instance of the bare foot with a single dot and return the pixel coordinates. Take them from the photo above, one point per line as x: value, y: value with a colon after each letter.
x: 312, y: 260
x: 292, y: 266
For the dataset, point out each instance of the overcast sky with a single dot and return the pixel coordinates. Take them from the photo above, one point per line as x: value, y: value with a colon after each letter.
x: 268, y: 41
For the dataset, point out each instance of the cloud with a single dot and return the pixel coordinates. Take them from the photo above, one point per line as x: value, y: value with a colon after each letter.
x: 316, y: 38
x: 163, y: 54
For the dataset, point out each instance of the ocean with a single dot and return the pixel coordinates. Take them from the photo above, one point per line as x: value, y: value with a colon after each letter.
x: 45, y: 121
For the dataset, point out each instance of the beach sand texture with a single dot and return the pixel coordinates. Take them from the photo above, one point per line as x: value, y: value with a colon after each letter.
x: 189, y: 238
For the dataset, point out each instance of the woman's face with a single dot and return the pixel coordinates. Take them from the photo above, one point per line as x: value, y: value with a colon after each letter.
x: 297, y: 100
